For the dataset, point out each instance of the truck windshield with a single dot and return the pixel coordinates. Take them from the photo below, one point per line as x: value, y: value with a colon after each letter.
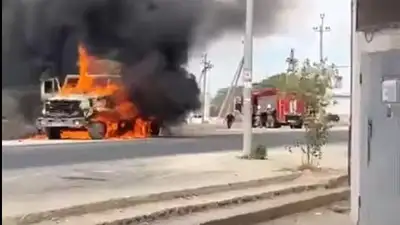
x: 105, y: 81
x: 100, y: 82
x: 71, y: 82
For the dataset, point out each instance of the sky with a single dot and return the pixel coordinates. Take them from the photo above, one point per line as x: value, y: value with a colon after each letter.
x: 270, y: 53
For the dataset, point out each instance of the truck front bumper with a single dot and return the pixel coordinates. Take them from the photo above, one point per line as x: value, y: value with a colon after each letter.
x: 293, y: 119
x: 70, y: 122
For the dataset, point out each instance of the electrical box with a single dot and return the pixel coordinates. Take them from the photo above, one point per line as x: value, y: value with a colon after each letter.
x: 391, y: 91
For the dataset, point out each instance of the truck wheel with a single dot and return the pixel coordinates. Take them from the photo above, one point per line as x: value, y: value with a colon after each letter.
x: 155, y: 129
x: 298, y: 126
x: 53, y: 133
x: 124, y: 127
x: 277, y: 125
x: 97, y: 130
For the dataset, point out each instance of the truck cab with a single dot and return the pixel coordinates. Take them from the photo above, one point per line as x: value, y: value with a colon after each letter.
x: 49, y: 88
x: 76, y: 107
x: 90, y: 104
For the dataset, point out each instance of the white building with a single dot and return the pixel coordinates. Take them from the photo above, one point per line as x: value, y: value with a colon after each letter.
x: 340, y: 107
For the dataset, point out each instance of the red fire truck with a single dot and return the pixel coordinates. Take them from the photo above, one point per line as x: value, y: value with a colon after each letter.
x: 289, y: 108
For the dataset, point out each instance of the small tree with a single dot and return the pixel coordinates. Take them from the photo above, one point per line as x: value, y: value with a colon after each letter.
x: 315, y: 89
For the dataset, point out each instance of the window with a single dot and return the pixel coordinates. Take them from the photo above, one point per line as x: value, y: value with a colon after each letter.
x: 338, y: 82
x: 71, y: 81
x: 100, y: 82
x: 48, y: 86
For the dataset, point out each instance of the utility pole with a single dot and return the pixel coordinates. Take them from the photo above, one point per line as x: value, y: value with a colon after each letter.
x: 349, y: 142
x: 247, y: 80
x: 231, y: 89
x: 291, y: 61
x: 206, y: 100
x: 321, y: 29
x: 234, y: 83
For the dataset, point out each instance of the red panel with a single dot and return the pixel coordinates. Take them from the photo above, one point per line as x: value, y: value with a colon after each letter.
x: 282, y: 101
x: 280, y: 111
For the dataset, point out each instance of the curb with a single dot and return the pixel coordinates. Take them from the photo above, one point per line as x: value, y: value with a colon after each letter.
x: 125, y: 202
x: 283, y: 210
x: 196, y: 208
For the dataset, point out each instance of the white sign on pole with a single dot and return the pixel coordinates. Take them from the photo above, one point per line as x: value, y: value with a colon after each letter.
x: 246, y: 76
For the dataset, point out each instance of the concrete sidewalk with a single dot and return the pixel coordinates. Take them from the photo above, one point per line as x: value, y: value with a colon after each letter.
x: 41, y: 189
x: 322, y: 216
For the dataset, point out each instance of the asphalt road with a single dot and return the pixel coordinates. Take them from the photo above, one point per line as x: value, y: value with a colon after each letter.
x: 28, y: 156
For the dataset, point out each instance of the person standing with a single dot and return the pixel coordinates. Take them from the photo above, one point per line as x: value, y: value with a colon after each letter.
x: 271, y: 116
x: 230, y: 118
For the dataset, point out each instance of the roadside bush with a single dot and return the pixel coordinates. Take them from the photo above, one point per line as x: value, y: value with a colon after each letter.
x: 315, y: 89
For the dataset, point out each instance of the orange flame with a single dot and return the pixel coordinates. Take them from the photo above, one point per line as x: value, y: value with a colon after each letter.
x: 85, y: 80
x: 124, y: 114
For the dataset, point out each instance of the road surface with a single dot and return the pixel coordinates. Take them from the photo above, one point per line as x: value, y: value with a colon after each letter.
x: 83, y: 183
x: 321, y: 216
x: 28, y: 156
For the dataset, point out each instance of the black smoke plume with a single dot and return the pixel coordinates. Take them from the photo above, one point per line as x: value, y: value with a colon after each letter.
x: 151, y: 38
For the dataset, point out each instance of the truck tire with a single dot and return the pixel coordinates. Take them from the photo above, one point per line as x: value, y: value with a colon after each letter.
x: 124, y: 127
x: 53, y: 133
x: 97, y: 130
x: 277, y: 125
x: 155, y: 129
x: 298, y: 126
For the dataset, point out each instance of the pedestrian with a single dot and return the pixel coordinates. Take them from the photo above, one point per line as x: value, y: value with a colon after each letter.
x: 230, y: 118
x: 271, y: 116
x: 263, y: 118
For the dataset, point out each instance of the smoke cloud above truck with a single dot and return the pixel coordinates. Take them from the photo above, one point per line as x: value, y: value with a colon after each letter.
x: 151, y: 38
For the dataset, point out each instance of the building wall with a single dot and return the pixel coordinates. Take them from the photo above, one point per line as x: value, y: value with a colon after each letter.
x: 376, y: 191
x: 375, y: 155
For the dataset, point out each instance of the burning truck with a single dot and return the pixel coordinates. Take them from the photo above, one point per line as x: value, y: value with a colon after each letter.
x: 90, y: 106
